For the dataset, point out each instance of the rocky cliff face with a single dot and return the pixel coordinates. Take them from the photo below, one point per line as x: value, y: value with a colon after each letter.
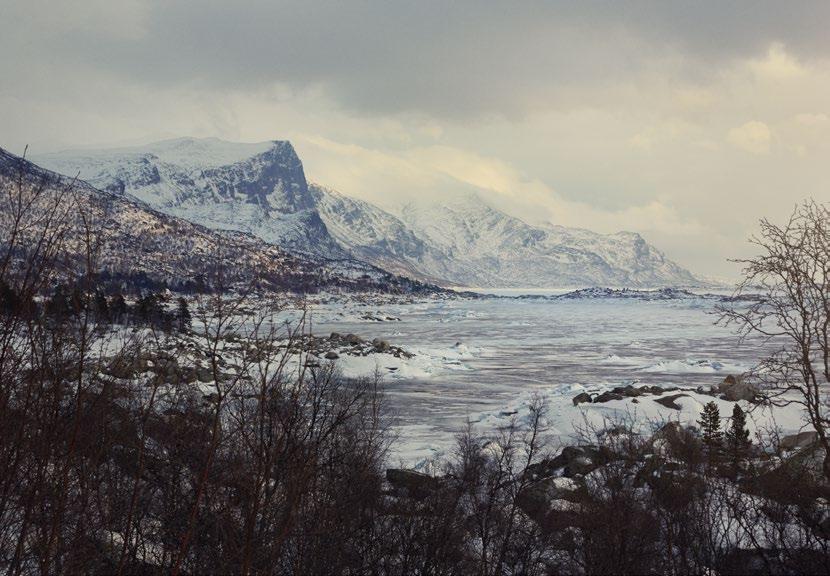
x: 256, y: 188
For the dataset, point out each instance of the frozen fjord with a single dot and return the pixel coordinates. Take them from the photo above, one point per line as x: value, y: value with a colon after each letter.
x: 483, y: 360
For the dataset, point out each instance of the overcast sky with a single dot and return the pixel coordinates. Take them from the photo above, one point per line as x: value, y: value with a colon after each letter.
x: 685, y: 122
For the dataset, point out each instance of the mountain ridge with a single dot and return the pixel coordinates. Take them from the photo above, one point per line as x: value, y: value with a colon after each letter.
x: 140, y: 245
x: 261, y: 188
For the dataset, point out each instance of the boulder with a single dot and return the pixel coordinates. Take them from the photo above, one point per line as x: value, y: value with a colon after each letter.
x: 332, y: 355
x: 539, y: 498
x: 380, y: 345
x: 629, y: 391
x: 335, y: 336
x: 669, y: 401
x: 573, y: 460
x: 126, y: 366
x: 354, y: 339
x: 668, y: 431
x: 411, y: 482
x: 580, y: 398
x: 607, y: 397
x: 730, y: 380
x: 203, y: 374
x: 735, y: 388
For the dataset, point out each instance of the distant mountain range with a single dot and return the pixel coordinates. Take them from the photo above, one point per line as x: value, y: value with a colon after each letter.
x: 262, y: 189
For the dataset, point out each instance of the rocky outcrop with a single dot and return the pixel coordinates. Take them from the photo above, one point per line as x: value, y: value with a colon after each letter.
x: 571, y: 461
x: 549, y: 494
x: 736, y: 388
x: 580, y: 398
x: 411, y: 482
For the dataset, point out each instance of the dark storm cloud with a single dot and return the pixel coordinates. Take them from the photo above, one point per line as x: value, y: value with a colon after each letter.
x: 448, y: 59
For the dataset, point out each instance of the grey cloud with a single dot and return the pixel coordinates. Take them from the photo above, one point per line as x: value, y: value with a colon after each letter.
x: 447, y: 59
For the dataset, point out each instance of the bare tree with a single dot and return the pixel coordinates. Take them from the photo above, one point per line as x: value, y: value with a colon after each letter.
x: 792, y: 274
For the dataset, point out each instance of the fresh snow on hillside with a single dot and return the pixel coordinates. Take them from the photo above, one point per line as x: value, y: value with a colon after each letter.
x: 491, y: 248
x: 262, y: 189
x: 255, y: 188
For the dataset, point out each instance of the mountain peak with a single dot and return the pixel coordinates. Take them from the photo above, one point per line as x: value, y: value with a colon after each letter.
x: 258, y: 188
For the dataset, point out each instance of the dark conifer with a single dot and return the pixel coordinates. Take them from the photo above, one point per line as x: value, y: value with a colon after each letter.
x: 709, y: 423
x: 183, y: 315
x: 737, y: 438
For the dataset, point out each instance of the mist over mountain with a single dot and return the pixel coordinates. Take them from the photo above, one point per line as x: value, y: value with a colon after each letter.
x: 262, y: 189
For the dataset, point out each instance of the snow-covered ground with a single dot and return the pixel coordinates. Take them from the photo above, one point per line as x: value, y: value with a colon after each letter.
x: 483, y: 360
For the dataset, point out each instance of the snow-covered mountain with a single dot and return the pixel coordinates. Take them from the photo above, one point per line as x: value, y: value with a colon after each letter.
x: 466, y: 242
x: 490, y: 248
x: 141, y: 247
x: 376, y: 236
x: 256, y: 188
x: 262, y: 189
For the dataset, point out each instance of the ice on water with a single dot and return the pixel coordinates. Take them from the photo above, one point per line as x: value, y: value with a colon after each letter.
x: 483, y: 360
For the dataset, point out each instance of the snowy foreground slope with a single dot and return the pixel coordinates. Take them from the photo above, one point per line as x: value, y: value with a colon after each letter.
x: 262, y: 189
x: 141, y: 246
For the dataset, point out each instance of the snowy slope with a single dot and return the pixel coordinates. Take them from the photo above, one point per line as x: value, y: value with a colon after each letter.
x: 376, y: 236
x: 255, y: 188
x: 490, y: 248
x: 466, y: 242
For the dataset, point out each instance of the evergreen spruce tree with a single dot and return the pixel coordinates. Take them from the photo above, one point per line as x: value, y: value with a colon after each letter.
x: 10, y: 301
x: 58, y: 305
x: 737, y: 438
x: 183, y: 315
x: 102, y: 308
x: 710, y: 426
x: 118, y: 308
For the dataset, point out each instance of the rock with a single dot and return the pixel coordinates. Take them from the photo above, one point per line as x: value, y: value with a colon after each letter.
x: 335, y: 336
x: 571, y: 461
x: 669, y: 431
x: 413, y: 483
x: 126, y: 366
x: 736, y: 388
x: 669, y: 401
x: 800, y: 440
x: 332, y: 355
x: 380, y: 345
x: 730, y: 380
x: 629, y: 391
x: 819, y: 517
x: 354, y: 339
x: 580, y: 398
x: 608, y: 396
x: 204, y: 374
x: 538, y: 499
